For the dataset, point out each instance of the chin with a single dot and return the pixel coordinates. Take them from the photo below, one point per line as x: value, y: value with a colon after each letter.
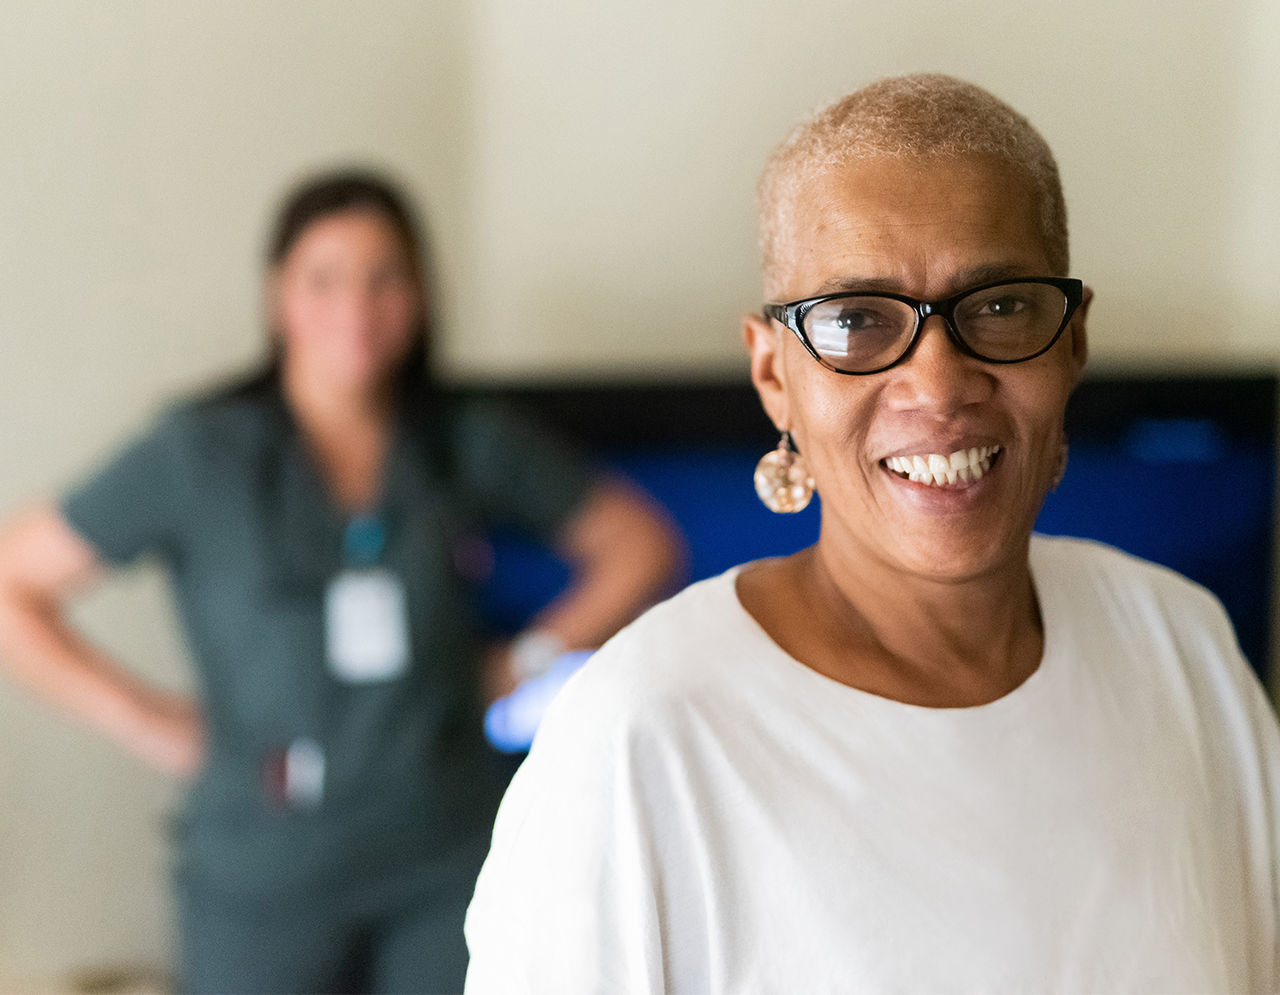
x: 952, y: 558
x: 359, y: 377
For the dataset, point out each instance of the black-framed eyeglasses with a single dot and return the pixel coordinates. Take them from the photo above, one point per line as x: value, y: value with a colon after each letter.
x: 1009, y: 321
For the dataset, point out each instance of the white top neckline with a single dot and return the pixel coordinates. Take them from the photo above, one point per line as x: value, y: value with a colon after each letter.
x: 770, y: 654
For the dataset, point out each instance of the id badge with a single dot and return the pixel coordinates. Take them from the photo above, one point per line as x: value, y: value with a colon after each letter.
x: 366, y: 626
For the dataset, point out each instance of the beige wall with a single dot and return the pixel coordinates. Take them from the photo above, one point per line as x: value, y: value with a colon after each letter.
x: 617, y: 147
x: 588, y: 168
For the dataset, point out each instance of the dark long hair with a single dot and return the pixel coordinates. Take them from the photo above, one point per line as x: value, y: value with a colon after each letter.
x: 334, y: 192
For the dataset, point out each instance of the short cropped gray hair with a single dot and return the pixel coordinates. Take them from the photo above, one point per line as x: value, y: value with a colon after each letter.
x: 922, y: 116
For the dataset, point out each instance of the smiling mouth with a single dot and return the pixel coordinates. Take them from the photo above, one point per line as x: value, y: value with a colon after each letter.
x: 964, y: 466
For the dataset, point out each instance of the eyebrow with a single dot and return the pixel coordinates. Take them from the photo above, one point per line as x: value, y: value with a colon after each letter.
x: 974, y: 277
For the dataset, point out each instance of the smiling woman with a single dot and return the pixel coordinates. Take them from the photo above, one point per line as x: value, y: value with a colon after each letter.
x: 931, y: 228
x: 864, y: 751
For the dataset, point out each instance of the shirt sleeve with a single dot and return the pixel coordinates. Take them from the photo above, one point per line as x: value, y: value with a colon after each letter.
x: 567, y: 900
x: 518, y: 472
x: 1269, y: 737
x: 1260, y: 738
x: 1246, y: 753
x: 130, y: 506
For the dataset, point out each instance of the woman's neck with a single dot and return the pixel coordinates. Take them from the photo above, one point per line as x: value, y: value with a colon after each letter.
x: 916, y: 640
x: 347, y: 433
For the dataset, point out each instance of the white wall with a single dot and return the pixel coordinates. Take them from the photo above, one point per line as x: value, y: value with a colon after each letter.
x: 589, y: 169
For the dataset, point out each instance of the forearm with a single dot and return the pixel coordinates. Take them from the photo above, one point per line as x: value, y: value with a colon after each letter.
x: 42, y: 653
x: 602, y: 598
x: 625, y: 555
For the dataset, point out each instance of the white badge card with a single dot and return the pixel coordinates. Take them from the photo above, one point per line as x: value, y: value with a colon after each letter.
x: 366, y: 626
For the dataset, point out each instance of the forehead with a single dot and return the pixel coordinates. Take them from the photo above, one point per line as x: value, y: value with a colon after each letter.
x: 919, y: 227
x: 346, y: 234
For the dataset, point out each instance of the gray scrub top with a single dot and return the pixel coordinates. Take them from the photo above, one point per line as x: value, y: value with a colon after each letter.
x: 223, y: 492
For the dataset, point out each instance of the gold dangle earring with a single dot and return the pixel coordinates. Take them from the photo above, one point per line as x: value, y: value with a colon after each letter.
x: 782, y: 480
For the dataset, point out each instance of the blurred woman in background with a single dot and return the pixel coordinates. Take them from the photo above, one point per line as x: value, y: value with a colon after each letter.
x: 321, y: 523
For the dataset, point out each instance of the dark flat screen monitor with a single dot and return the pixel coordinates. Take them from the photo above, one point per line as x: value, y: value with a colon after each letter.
x: 1176, y: 469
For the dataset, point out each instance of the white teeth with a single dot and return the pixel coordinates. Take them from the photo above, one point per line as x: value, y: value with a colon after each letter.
x: 934, y: 469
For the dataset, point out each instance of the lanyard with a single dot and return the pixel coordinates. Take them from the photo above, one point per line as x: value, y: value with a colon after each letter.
x: 366, y: 642
x: 364, y: 540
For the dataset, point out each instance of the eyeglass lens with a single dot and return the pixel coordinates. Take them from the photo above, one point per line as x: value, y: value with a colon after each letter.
x: 1005, y: 323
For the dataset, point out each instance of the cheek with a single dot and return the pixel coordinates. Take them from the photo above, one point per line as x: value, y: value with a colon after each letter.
x: 397, y: 337
x: 1040, y: 414
x: 302, y: 317
x: 815, y: 400
x: 397, y: 313
x: 831, y: 427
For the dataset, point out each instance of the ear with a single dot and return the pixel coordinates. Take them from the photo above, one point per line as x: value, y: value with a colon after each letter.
x: 764, y: 340
x: 1080, y: 337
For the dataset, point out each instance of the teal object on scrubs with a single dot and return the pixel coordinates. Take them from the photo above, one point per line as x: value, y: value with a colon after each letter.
x: 363, y: 540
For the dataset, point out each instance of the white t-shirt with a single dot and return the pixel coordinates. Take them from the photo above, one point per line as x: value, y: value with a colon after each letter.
x: 702, y: 813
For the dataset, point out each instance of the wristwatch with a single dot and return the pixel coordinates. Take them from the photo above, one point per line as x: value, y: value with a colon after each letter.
x: 534, y: 652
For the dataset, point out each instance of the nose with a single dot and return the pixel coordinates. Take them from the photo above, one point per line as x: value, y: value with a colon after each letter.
x: 356, y: 309
x: 937, y: 377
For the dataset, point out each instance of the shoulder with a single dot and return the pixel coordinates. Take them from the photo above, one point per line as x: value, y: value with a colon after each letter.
x: 665, y: 664
x: 1101, y: 572
x: 565, y: 899
x: 513, y: 470
x: 465, y: 414
x: 479, y: 429
x: 456, y: 418
x: 490, y: 425
x: 587, y: 795
x: 673, y: 646
x: 1119, y: 607
x: 158, y: 444
x: 229, y: 425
